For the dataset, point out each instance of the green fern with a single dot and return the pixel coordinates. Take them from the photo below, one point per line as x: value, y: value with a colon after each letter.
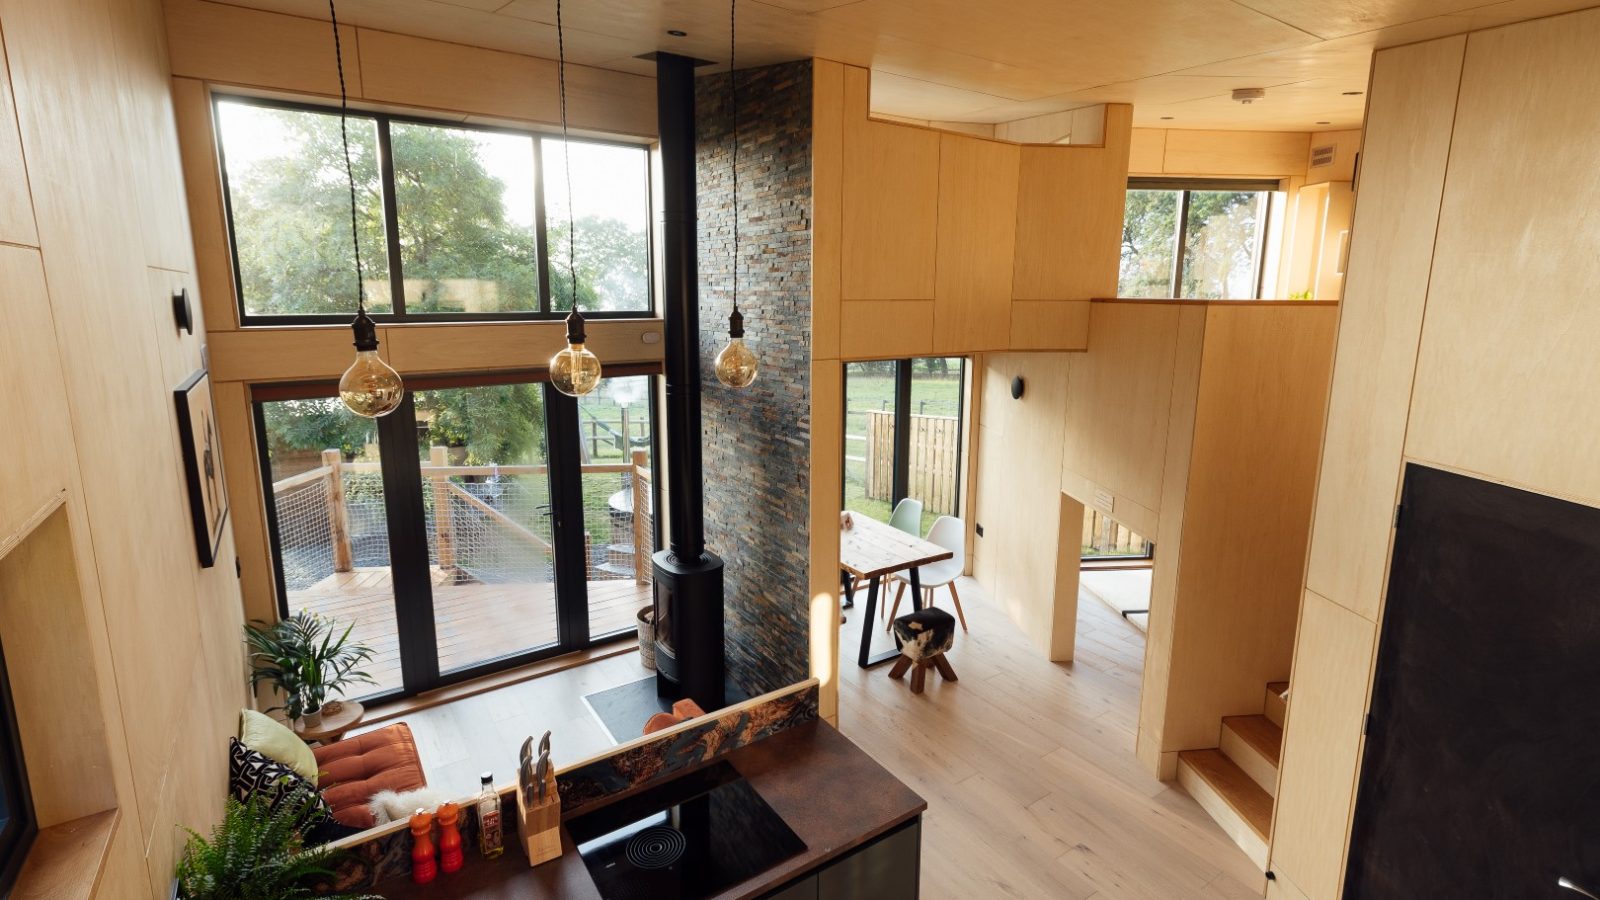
x: 256, y: 853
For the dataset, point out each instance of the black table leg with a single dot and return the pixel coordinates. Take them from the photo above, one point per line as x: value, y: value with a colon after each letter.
x: 916, y: 592
x: 865, y: 659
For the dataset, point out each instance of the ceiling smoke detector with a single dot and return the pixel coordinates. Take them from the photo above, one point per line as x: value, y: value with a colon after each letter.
x: 1249, y: 95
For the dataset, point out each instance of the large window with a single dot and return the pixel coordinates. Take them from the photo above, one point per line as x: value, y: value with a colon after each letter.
x: 456, y: 221
x: 481, y: 525
x: 1199, y: 240
x: 903, y: 436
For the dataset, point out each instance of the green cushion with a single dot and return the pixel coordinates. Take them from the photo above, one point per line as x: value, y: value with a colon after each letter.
x: 272, y: 739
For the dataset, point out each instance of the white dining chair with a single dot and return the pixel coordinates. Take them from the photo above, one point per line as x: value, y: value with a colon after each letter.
x: 907, y: 517
x: 950, y: 533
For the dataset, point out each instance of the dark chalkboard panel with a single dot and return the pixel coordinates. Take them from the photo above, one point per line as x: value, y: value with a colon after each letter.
x: 1482, y: 770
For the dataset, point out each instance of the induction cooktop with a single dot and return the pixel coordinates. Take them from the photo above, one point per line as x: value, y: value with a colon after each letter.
x: 689, y: 838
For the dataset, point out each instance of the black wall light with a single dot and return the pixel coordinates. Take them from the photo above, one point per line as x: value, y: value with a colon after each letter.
x: 1017, y: 386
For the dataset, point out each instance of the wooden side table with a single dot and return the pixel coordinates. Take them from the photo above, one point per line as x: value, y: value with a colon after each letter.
x: 337, y: 718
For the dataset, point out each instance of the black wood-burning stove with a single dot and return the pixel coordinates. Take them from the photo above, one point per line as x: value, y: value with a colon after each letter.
x: 690, y: 659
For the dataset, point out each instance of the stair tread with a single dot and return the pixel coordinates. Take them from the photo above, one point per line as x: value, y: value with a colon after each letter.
x: 1278, y: 687
x: 1234, y: 786
x: 1260, y: 732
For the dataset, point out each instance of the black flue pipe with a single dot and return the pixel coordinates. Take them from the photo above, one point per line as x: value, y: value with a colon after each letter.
x: 681, y: 306
x: 690, y: 660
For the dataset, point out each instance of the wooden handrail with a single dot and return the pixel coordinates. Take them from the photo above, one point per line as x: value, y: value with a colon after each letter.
x: 307, y: 477
x: 516, y: 527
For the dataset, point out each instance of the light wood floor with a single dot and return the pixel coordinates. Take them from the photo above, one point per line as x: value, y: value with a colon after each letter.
x: 1028, y: 769
x: 473, y: 622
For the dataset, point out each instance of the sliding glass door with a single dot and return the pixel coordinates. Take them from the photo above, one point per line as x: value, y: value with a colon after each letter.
x: 903, y: 423
x: 480, y: 526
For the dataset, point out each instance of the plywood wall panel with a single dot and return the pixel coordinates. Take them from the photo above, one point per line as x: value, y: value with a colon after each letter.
x: 1407, y: 145
x: 1069, y: 216
x: 202, y: 176
x: 886, y: 329
x: 34, y: 401
x: 1261, y: 154
x: 827, y: 204
x: 398, y: 68
x: 977, y: 223
x: 1049, y: 324
x: 232, y: 44
x: 1240, y: 576
x: 827, y: 430
x: 891, y: 208
x: 16, y: 206
x: 1322, y: 743
x: 1507, y: 368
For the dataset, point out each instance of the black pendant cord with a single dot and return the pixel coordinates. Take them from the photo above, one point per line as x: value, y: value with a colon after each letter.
x: 735, y: 320
x: 349, y: 168
x: 575, y: 318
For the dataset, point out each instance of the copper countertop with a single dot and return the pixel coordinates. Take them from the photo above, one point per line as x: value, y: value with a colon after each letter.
x: 827, y: 789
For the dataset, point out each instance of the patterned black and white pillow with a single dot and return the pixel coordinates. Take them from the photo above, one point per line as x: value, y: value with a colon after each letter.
x: 252, y: 774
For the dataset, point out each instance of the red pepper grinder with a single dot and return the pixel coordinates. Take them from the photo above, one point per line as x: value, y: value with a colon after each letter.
x: 450, y: 857
x: 423, y: 866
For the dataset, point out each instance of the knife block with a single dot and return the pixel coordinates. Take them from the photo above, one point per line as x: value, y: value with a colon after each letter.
x: 539, y: 824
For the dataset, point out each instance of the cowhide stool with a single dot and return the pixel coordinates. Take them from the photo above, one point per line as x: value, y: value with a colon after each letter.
x: 924, y: 638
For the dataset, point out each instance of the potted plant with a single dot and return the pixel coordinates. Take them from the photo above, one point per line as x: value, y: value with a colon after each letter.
x: 308, y: 660
x: 257, y: 852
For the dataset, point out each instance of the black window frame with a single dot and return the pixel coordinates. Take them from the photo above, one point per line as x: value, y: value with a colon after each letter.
x: 382, y: 121
x: 1184, y: 186
x: 22, y: 825
x: 408, y: 539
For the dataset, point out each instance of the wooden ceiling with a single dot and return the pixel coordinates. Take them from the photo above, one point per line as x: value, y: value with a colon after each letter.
x: 1177, y: 61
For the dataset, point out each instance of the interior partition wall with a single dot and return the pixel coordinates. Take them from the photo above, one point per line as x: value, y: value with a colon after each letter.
x: 489, y: 522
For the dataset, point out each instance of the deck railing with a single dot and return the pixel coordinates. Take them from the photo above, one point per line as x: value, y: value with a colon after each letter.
x: 469, y: 507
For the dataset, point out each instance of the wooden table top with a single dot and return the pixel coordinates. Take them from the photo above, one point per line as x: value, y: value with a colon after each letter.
x: 870, y: 548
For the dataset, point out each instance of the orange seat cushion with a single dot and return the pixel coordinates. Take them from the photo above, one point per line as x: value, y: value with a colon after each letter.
x: 354, y: 769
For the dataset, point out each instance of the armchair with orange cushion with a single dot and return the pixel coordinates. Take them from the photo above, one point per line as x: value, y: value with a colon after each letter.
x: 354, y: 769
x: 346, y: 774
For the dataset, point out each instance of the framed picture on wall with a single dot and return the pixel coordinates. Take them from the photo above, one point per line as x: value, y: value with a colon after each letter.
x: 202, y: 464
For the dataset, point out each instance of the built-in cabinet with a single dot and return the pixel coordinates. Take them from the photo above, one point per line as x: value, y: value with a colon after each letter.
x: 888, y: 868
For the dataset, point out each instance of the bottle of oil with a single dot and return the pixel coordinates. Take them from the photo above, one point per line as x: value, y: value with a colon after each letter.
x: 491, y: 831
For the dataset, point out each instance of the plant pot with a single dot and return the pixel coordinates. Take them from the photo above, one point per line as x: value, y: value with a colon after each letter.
x: 647, y: 637
x: 311, y: 719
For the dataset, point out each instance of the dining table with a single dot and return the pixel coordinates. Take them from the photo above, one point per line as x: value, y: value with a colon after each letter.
x: 869, y: 551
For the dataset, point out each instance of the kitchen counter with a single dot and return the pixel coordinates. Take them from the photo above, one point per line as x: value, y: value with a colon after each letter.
x: 834, y: 796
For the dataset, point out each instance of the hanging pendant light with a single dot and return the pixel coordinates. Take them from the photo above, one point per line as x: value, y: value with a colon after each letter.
x: 736, y: 364
x: 369, y: 387
x: 575, y: 370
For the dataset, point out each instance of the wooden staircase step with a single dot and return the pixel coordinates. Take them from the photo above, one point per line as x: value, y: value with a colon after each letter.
x: 1254, y: 744
x: 1277, y: 702
x: 1231, y: 797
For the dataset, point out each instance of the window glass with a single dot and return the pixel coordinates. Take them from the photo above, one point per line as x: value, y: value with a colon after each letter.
x: 1216, y: 238
x: 333, y: 526
x: 1221, y: 244
x: 1149, y: 243
x: 465, y: 210
x: 869, y: 401
x: 491, y: 543
x: 1104, y: 538
x: 615, y: 434
x: 935, y: 447
x: 611, y: 193
x: 289, y: 200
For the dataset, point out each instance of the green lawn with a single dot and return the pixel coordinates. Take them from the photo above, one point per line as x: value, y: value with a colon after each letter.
x: 931, y: 394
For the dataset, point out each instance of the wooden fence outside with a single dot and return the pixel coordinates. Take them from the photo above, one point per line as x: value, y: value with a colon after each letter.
x: 935, y: 459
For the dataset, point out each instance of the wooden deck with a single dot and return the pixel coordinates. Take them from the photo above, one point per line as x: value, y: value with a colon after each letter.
x: 474, y: 622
